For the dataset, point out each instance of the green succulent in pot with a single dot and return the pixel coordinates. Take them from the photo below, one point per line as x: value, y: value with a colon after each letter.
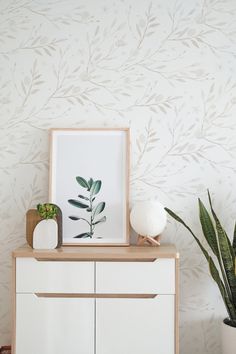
x: 222, y: 264
x: 47, y: 211
x: 45, y: 233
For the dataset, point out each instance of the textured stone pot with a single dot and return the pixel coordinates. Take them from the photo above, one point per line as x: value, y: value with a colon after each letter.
x: 45, y: 235
x: 228, y: 338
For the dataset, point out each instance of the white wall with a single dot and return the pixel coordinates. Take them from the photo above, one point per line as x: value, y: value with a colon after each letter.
x: 165, y: 68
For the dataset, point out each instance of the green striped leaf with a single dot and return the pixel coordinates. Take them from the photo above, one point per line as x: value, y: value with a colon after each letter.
x: 215, y: 275
x: 213, y: 270
x: 177, y: 218
x: 227, y: 255
x: 234, y: 241
x: 211, y: 237
x: 208, y: 229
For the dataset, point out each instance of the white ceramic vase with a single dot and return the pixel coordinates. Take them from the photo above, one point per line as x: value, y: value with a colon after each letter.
x: 45, y: 235
x: 228, y: 339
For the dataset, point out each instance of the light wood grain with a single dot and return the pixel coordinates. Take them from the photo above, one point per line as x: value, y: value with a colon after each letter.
x: 13, y: 339
x: 93, y: 253
x: 151, y: 241
x: 177, y: 306
x: 127, y: 131
x: 32, y: 219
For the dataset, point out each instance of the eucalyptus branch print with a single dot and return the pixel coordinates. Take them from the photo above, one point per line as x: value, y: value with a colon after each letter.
x: 93, y: 187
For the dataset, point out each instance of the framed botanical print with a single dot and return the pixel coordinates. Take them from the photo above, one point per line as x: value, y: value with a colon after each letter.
x: 89, y: 172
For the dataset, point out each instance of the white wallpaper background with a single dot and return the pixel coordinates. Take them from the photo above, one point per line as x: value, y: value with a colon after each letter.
x: 166, y: 69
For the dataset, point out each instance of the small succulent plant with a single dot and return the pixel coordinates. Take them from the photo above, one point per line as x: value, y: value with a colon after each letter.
x: 47, y: 211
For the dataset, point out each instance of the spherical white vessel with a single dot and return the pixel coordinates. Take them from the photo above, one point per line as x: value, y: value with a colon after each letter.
x: 148, y: 218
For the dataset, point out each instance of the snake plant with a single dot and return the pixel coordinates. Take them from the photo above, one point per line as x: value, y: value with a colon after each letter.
x: 222, y: 264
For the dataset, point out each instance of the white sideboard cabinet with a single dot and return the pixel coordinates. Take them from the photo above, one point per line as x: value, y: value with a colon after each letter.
x: 96, y: 300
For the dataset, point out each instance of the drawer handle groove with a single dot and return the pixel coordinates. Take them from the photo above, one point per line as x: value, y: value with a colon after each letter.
x: 143, y: 260
x: 62, y: 260
x: 96, y: 296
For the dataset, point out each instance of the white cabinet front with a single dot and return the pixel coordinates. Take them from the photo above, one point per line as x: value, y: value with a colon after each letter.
x: 156, y: 277
x: 135, y: 326
x: 33, y: 276
x: 54, y: 325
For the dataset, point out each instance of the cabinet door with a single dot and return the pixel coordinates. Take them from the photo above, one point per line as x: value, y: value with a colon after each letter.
x: 54, y: 325
x: 140, y: 326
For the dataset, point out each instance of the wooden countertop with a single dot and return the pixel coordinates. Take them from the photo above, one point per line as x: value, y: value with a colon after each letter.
x: 100, y: 253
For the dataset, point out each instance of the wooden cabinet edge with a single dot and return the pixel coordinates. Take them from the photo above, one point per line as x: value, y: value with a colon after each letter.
x: 131, y: 253
x: 177, y: 305
x: 13, y: 299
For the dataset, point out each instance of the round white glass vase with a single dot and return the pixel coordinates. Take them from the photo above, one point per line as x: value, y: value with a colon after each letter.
x: 45, y: 235
x: 228, y: 339
x: 148, y: 218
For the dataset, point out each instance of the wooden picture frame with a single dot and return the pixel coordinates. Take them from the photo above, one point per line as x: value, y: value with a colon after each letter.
x: 89, y: 181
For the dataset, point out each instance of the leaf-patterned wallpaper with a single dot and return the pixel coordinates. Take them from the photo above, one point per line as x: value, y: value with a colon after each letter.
x: 167, y: 69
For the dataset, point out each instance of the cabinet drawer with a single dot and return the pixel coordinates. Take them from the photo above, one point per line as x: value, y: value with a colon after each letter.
x: 33, y: 276
x: 156, y: 277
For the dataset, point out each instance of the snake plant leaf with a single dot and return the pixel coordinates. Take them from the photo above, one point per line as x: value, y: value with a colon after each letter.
x: 103, y: 219
x: 227, y: 280
x: 84, y: 235
x: 82, y: 182
x: 208, y: 229
x: 232, y: 252
x: 98, y: 208
x: 234, y: 241
x: 96, y: 186
x: 228, y: 261
x: 215, y: 275
x: 177, y: 218
x: 211, y: 237
x: 83, y: 197
x: 227, y: 255
x: 217, y: 221
x: 77, y: 204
